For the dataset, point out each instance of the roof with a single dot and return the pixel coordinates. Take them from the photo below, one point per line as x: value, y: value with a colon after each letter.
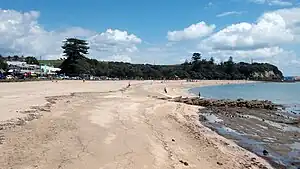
x: 50, y: 68
x: 21, y: 64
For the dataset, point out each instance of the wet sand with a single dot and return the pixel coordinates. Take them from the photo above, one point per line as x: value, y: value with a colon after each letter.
x: 71, y: 124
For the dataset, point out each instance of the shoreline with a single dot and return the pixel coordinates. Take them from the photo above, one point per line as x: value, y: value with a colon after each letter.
x: 271, y: 134
x: 135, y: 94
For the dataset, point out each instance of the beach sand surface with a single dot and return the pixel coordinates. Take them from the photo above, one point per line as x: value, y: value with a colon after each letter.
x: 105, y: 125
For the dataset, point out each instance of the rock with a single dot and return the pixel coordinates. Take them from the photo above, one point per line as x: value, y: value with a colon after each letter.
x: 219, y: 163
x: 173, y: 140
x: 252, y: 104
x: 202, y: 118
x: 184, y: 162
x: 265, y: 153
x: 178, y: 99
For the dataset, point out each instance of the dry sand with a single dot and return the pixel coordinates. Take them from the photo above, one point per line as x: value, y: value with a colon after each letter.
x: 104, y: 126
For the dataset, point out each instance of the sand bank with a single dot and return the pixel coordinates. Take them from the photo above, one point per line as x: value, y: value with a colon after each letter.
x: 101, y: 126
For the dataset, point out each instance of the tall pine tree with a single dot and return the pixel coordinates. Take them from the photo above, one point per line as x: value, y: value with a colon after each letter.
x: 76, y: 63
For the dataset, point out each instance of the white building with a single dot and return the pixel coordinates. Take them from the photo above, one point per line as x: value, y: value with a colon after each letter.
x: 49, y: 70
x: 23, y: 67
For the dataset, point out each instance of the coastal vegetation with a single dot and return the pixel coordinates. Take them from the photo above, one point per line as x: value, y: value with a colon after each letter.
x: 3, y: 64
x: 76, y: 63
x: 55, y: 63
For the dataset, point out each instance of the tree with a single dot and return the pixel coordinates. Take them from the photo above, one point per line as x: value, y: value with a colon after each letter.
x: 196, y: 57
x: 230, y: 60
x: 75, y: 48
x: 3, y: 64
x: 211, y: 60
x: 32, y: 60
x: 15, y: 58
x: 76, y: 63
x: 230, y: 68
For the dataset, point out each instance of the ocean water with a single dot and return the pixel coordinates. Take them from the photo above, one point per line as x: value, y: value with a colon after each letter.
x: 266, y: 136
x: 287, y: 94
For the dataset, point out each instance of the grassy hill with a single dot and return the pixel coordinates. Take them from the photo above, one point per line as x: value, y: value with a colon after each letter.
x: 55, y: 63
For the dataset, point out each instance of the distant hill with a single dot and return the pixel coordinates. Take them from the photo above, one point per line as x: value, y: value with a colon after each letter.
x: 55, y: 63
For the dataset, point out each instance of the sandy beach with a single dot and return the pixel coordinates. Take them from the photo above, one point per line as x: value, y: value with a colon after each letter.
x: 105, y: 125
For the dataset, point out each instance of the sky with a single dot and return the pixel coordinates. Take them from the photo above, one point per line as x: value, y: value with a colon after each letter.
x: 156, y: 31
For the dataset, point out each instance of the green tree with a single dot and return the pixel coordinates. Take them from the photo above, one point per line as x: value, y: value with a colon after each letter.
x: 211, y: 60
x: 196, y: 57
x: 31, y: 60
x: 15, y: 58
x: 76, y: 63
x: 3, y: 64
x: 75, y: 48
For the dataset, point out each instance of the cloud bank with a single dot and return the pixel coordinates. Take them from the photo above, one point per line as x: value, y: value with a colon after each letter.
x: 22, y: 34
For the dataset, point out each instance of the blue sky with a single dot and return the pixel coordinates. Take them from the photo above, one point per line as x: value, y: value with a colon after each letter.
x: 165, y: 32
x: 148, y: 19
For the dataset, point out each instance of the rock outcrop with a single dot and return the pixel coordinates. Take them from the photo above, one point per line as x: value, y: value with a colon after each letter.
x: 251, y: 104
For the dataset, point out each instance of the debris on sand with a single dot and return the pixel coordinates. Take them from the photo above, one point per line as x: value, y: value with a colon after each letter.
x: 184, y: 162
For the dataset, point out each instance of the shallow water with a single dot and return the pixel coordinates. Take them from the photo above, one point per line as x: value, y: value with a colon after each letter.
x: 287, y: 94
x: 256, y: 134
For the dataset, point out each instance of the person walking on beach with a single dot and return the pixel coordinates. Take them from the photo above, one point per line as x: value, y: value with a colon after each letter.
x: 165, y: 89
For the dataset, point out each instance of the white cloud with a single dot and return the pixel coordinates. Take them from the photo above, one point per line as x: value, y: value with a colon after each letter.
x: 230, y: 13
x: 194, y: 31
x: 117, y: 36
x: 286, y: 60
x: 209, y: 5
x: 262, y: 54
x: 271, y: 29
x: 22, y: 34
x: 263, y: 41
x: 273, y: 2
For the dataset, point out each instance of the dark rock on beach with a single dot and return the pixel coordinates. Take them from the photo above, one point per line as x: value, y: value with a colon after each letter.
x: 265, y: 153
x: 251, y: 104
x: 270, y: 134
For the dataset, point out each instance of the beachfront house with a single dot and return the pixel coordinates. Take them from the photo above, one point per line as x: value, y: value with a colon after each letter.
x: 18, y: 67
x: 49, y: 70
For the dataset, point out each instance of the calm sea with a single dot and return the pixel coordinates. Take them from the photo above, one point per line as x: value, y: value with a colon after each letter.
x: 287, y: 94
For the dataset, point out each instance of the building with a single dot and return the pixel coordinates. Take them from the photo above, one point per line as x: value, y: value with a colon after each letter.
x: 49, y: 70
x: 289, y: 79
x: 18, y: 67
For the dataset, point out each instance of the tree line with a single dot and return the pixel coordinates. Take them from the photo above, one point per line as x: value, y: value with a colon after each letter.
x: 77, y: 64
